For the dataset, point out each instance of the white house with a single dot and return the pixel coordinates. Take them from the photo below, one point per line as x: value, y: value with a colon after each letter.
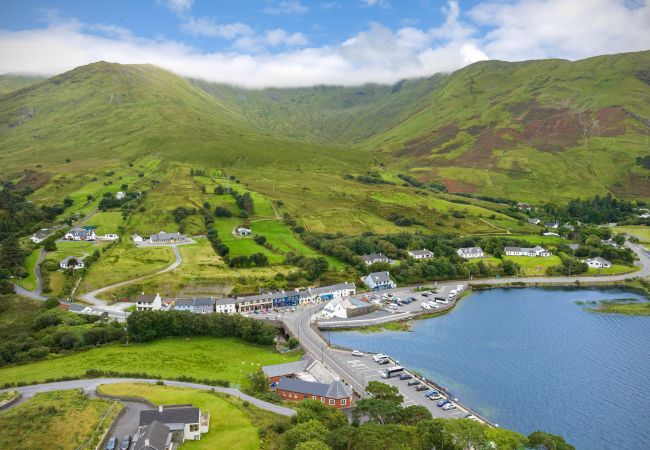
x: 80, y: 234
x: 525, y: 251
x: 340, y: 290
x: 598, y: 263
x: 421, y: 254
x: 374, y: 258
x: 378, y: 281
x: 40, y: 236
x: 120, y: 195
x: 241, y: 231
x: 552, y: 225
x: 534, y: 221
x: 609, y: 242
x: 148, y: 302
x: 470, y: 252
x: 187, y: 421
x: 136, y: 238
x: 109, y: 237
x: 225, y: 306
x: 78, y: 263
x: 167, y: 238
x: 346, y: 307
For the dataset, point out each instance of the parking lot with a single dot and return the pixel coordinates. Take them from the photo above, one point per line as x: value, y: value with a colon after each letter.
x: 369, y: 370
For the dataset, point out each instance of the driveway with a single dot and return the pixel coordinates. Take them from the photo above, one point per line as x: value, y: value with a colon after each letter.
x: 127, y: 423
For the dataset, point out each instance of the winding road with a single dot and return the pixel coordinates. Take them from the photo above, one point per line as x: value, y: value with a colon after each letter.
x: 91, y: 297
x: 91, y: 385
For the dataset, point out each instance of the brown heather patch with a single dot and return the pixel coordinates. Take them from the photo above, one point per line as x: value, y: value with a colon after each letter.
x: 33, y: 179
x: 610, y: 121
x: 429, y: 143
x: 460, y: 186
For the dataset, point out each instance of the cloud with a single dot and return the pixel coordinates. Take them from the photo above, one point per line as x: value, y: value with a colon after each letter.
x: 286, y: 7
x: 380, y: 3
x: 177, y: 6
x: 516, y: 30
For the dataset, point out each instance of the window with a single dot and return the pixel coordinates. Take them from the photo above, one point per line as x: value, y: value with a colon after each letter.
x: 313, y: 397
x: 344, y: 401
x: 332, y: 401
x: 194, y: 427
x: 322, y: 400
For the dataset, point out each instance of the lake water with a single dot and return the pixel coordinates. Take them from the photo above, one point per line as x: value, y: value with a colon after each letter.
x: 533, y: 359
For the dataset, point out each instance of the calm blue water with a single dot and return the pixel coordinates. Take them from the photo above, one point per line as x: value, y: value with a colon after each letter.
x: 532, y: 359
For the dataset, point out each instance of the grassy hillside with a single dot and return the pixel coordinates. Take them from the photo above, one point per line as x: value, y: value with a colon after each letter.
x: 10, y: 82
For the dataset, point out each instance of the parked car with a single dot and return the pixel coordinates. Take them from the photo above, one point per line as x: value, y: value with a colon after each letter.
x: 413, y: 383
x: 126, y: 443
x: 425, y: 294
x: 435, y: 397
x: 381, y: 362
x: 430, y: 393
x: 425, y: 306
x: 379, y: 356
x: 422, y: 387
x: 112, y: 444
x: 405, y: 376
x: 391, y: 306
x: 357, y: 353
x: 443, y: 402
x: 448, y: 406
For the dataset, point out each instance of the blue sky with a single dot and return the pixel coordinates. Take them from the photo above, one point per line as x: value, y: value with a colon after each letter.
x: 298, y: 42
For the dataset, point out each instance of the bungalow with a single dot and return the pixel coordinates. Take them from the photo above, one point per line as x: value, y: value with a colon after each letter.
x: 195, y: 305
x: 287, y: 370
x: 108, y: 237
x: 378, y: 281
x: 347, y: 307
x: 72, y: 262
x: 155, y: 436
x: 186, y: 421
x: 167, y: 238
x: 534, y: 221
x: 573, y: 247
x: 120, y: 195
x: 470, y: 252
x: 609, y: 242
x: 421, y: 254
x: 525, y: 251
x: 136, y: 238
x: 336, y: 394
x: 225, y: 306
x: 524, y: 206
x: 374, y: 258
x: 242, y: 231
x: 598, y: 263
x: 80, y: 234
x: 40, y: 236
x: 552, y: 225
x: 148, y: 302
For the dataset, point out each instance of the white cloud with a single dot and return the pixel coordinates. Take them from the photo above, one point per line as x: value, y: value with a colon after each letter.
x: 177, y: 6
x: 286, y: 7
x: 516, y: 30
x: 203, y: 26
x: 381, y: 3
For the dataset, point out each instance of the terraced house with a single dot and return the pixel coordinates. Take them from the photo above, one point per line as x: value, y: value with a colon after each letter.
x: 280, y: 299
x: 195, y: 305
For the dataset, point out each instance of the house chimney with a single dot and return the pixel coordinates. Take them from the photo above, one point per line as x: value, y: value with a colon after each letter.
x: 160, y: 408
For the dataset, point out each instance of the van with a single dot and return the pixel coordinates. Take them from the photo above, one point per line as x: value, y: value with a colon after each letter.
x: 379, y: 356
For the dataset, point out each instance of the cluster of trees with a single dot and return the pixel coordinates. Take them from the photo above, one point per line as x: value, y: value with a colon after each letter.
x: 219, y: 247
x: 597, y: 210
x: 145, y: 326
x: 402, y: 221
x: 254, y: 260
x: 389, y: 425
x: 244, y: 202
x: 436, y: 187
x: 52, y: 331
x: 312, y: 268
x: 197, y: 172
x: 110, y: 201
x: 371, y: 178
x: 180, y: 213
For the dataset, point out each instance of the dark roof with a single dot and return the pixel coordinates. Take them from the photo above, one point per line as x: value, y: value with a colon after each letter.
x: 42, y: 234
x: 164, y: 236
x: 335, y: 287
x: 379, y: 277
x: 225, y: 301
x: 195, y: 301
x: 146, y: 298
x: 424, y: 251
x: 374, y: 257
x: 277, y: 370
x: 171, y: 414
x: 153, y: 437
x: 336, y: 389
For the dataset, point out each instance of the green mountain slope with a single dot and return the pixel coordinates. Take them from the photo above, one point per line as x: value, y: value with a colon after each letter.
x: 112, y: 111
x: 534, y: 130
x: 12, y: 82
x: 328, y: 114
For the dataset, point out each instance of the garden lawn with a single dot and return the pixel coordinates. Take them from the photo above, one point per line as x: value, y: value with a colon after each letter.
x: 537, y: 239
x: 616, y: 269
x: 106, y: 222
x: 29, y: 282
x: 532, y: 266
x: 57, y: 420
x: 200, y: 357
x: 242, y: 246
x: 231, y: 426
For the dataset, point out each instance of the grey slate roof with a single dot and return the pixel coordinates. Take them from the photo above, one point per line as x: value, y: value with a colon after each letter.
x: 380, y: 277
x: 374, y: 257
x: 76, y: 258
x: 145, y: 298
x: 81, y: 232
x: 195, y: 301
x: 153, y: 437
x: 423, y: 252
x: 574, y: 246
x: 171, y: 415
x: 336, y: 389
x: 335, y: 287
x: 225, y: 301
x: 277, y: 370
x: 42, y: 234
x: 164, y: 236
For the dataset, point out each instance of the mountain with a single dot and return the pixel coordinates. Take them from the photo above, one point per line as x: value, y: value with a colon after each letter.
x: 10, y: 82
x: 532, y: 131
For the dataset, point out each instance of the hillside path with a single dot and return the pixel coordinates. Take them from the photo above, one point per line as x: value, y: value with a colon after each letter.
x: 91, y: 387
x: 91, y: 297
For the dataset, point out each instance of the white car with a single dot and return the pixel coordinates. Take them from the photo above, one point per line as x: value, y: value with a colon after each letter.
x: 449, y: 406
x: 379, y: 356
x: 425, y: 306
x: 357, y: 353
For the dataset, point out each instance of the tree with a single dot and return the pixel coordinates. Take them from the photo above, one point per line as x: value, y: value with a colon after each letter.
x: 303, y: 432
x: 545, y: 441
x: 49, y: 245
x: 313, y: 444
x: 72, y: 263
x: 11, y: 255
x: 220, y: 211
x: 383, y: 391
x: 258, y: 381
x: 314, y: 410
x: 414, y: 414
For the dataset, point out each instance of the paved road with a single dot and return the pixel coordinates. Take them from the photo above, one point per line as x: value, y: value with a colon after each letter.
x: 34, y: 295
x: 91, y: 297
x: 92, y: 384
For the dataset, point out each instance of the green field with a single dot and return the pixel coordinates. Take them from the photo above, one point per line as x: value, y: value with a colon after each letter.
x: 642, y: 233
x: 231, y: 424
x: 616, y: 269
x: 29, y: 282
x: 106, y: 222
x: 532, y: 266
x: 202, y: 358
x: 627, y: 308
x: 242, y: 246
x: 63, y: 420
